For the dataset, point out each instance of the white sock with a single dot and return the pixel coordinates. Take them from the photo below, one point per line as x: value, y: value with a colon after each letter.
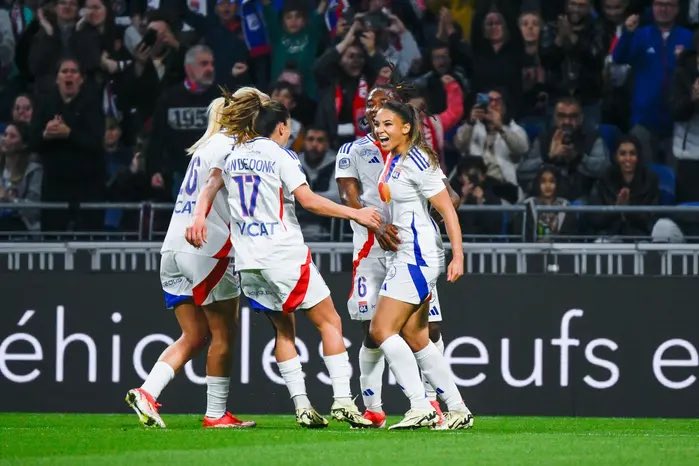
x: 293, y: 378
x: 436, y: 370
x: 216, y: 396
x: 404, y: 367
x: 159, y: 377
x: 429, y: 390
x: 371, y: 366
x: 340, y: 371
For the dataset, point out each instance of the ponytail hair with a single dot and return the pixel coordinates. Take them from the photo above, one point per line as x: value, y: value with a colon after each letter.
x: 411, y: 115
x: 214, y: 125
x: 249, y: 113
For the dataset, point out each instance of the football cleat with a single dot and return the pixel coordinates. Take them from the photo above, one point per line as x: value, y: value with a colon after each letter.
x: 455, y: 420
x: 440, y: 423
x: 227, y: 421
x: 349, y: 413
x: 416, y: 418
x: 309, y: 418
x: 377, y: 418
x: 145, y: 407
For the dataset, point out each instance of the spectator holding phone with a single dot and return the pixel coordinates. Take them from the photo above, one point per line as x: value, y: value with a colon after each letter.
x: 494, y: 136
x: 578, y: 152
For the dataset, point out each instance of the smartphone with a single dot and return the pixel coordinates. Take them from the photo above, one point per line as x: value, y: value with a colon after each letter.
x: 482, y: 100
x: 149, y: 37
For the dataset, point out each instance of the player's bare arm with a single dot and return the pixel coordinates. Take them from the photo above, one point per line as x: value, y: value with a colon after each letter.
x: 195, y: 234
x: 312, y: 202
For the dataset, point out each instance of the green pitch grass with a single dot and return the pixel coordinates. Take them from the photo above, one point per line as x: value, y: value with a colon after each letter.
x: 76, y: 439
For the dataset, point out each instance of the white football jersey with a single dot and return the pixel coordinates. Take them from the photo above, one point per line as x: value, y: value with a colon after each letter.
x: 260, y: 177
x: 363, y: 161
x: 406, y: 184
x: 218, y: 241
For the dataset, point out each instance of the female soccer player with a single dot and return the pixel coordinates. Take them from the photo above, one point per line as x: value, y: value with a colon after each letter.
x: 277, y: 274
x: 357, y: 169
x: 194, y: 279
x: 412, y: 177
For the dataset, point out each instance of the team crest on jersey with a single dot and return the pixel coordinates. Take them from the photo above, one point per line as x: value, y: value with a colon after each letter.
x: 344, y: 162
x: 363, y: 307
x: 396, y: 173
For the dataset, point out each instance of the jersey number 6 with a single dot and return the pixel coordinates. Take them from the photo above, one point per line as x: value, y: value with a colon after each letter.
x: 248, y: 210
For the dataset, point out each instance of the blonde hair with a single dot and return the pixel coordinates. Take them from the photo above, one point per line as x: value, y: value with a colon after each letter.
x: 213, y: 126
x: 240, y: 111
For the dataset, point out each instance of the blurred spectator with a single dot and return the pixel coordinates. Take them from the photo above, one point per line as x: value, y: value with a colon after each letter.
x: 442, y: 65
x: 221, y: 31
x: 58, y: 38
x: 577, y: 151
x: 345, y: 73
x: 304, y: 111
x: 535, y: 91
x: 616, y: 98
x: 129, y: 184
x: 284, y: 92
x: 23, y: 109
x: 475, y: 188
x: 498, y: 60
x: 295, y: 37
x: 493, y: 135
x: 627, y: 182
x: 158, y: 65
x: 684, y: 102
x: 21, y: 16
x: 21, y: 179
x: 394, y: 40
x: 652, y: 52
x: 318, y: 163
x: 549, y: 225
x: 576, y: 56
x: 434, y: 127
x: 179, y: 120
x: 68, y: 128
x: 7, y: 57
x: 116, y: 155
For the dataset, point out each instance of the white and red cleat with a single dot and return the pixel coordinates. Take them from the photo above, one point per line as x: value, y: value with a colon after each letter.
x: 145, y: 407
x: 377, y: 418
x: 227, y: 421
x: 441, y: 422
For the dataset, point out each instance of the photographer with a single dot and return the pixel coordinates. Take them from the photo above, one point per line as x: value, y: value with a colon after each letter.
x: 492, y: 135
x: 394, y: 40
x: 578, y: 152
x: 345, y: 73
x: 476, y: 188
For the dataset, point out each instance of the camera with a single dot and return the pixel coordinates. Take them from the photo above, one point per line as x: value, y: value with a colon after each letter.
x: 149, y: 38
x: 567, y: 137
x: 482, y: 100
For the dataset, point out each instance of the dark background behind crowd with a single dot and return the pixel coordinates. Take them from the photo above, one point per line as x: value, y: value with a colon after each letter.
x: 554, y: 102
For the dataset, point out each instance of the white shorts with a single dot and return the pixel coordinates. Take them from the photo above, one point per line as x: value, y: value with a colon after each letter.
x: 409, y: 283
x: 367, y: 279
x: 204, y: 280
x: 284, y: 289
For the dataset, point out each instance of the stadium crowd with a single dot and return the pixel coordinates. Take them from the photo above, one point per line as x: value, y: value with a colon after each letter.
x: 530, y: 102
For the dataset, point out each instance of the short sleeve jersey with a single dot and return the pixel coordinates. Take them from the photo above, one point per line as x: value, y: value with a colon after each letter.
x: 406, y: 184
x: 218, y: 244
x: 363, y: 161
x: 260, y: 177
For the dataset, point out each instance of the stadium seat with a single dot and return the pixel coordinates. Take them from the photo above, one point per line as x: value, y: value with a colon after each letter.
x: 532, y: 130
x: 666, y: 183
x: 610, y: 134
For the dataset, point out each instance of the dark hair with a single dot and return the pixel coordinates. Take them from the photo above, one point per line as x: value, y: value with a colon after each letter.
x: 295, y: 5
x: 68, y: 58
x: 411, y: 115
x: 247, y: 116
x: 315, y: 127
x: 627, y: 139
x: 23, y: 129
x: 469, y: 162
x: 568, y: 100
x: 285, y: 86
x: 26, y: 96
x: 545, y: 168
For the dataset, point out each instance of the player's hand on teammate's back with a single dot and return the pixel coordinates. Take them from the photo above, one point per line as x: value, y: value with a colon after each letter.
x: 195, y: 234
x: 368, y: 217
x: 455, y: 269
x: 387, y: 236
